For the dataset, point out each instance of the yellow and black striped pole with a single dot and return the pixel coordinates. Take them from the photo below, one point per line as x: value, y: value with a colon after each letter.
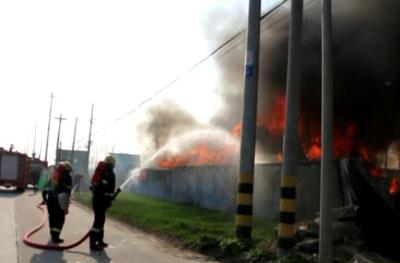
x: 244, y: 211
x: 244, y: 201
x: 287, y: 207
x: 287, y: 214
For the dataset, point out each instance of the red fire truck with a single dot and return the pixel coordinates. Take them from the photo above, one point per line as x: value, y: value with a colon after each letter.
x: 13, y: 169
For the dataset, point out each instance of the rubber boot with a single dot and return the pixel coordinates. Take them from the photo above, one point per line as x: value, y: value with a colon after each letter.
x: 101, y: 242
x: 55, y: 237
x: 93, y: 238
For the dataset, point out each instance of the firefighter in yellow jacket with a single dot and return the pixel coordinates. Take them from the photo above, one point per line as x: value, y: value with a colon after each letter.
x: 103, y: 187
x: 57, y: 201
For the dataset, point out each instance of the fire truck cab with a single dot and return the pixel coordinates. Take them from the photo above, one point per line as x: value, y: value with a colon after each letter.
x: 13, y: 169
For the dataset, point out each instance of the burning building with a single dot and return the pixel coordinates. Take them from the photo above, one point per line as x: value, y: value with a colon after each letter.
x: 366, y: 79
x: 366, y: 84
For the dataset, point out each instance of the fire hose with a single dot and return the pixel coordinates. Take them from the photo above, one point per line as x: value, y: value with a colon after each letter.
x: 28, y: 234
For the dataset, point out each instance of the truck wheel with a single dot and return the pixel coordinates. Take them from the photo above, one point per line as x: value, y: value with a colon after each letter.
x: 20, y: 189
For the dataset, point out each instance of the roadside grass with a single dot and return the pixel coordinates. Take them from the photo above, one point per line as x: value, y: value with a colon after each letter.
x: 186, y: 223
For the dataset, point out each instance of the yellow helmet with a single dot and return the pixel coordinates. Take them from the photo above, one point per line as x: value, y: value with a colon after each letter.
x: 110, y: 159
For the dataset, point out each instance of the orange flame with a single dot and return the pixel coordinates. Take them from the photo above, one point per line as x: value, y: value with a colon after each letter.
x: 237, y: 130
x: 376, y: 171
x: 315, y: 151
x: 345, y: 142
x: 394, y: 186
x: 365, y: 153
x: 174, y: 161
x: 199, y: 156
x: 274, y: 122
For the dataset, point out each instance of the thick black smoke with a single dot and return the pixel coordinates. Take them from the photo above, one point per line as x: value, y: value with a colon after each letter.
x: 163, y: 121
x: 366, y: 67
x: 366, y: 58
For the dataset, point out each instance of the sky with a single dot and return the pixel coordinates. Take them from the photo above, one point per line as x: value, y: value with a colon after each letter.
x: 112, y: 54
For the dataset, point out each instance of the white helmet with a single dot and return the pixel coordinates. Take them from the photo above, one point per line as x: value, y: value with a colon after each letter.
x: 110, y: 159
x: 67, y: 165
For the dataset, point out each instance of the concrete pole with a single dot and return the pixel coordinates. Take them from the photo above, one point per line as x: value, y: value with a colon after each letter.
x: 48, y: 127
x: 73, y: 142
x: 40, y: 149
x: 287, y: 206
x: 244, y: 210
x: 60, y: 119
x: 398, y: 155
x: 59, y: 151
x: 27, y: 145
x: 89, y: 139
x: 327, y: 168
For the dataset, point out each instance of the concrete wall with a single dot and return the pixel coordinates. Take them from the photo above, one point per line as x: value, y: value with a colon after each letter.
x: 267, y: 190
x: 215, y: 187
x: 211, y: 187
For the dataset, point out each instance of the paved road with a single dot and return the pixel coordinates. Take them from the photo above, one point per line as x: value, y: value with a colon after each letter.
x: 8, y: 245
x: 126, y: 245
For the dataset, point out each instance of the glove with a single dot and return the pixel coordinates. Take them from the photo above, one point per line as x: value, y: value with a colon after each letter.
x: 116, y: 193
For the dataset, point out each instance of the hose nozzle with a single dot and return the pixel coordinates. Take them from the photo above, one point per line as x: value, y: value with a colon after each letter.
x: 117, y: 192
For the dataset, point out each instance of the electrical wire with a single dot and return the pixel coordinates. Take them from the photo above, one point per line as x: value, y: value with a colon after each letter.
x: 197, y: 64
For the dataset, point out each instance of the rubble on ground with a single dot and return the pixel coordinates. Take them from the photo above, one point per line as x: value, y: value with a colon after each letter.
x: 348, y: 244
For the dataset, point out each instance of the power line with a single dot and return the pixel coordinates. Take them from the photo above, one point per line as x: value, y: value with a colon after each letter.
x: 169, y: 84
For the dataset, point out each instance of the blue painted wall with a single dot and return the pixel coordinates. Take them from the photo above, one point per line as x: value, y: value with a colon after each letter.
x: 215, y: 187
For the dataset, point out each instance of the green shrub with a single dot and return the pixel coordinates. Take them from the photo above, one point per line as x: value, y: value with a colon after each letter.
x: 257, y: 255
x: 204, y: 242
x: 295, y: 258
x: 232, y: 245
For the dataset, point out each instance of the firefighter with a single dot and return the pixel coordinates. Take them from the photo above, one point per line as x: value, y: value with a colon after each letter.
x: 103, y: 187
x: 57, y: 199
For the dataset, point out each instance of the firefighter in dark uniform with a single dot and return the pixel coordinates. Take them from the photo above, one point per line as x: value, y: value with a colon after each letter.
x: 103, y: 187
x: 57, y: 199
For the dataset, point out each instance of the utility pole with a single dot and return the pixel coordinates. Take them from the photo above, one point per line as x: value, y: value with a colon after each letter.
x: 59, y: 151
x: 27, y: 145
x: 40, y: 150
x: 287, y: 205
x: 89, y: 139
x: 398, y: 154
x: 60, y: 119
x: 244, y: 200
x: 48, y: 127
x: 73, y: 141
x: 34, y: 142
x: 327, y: 167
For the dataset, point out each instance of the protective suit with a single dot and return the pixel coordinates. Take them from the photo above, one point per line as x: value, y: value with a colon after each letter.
x: 103, y: 193
x: 58, y: 197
